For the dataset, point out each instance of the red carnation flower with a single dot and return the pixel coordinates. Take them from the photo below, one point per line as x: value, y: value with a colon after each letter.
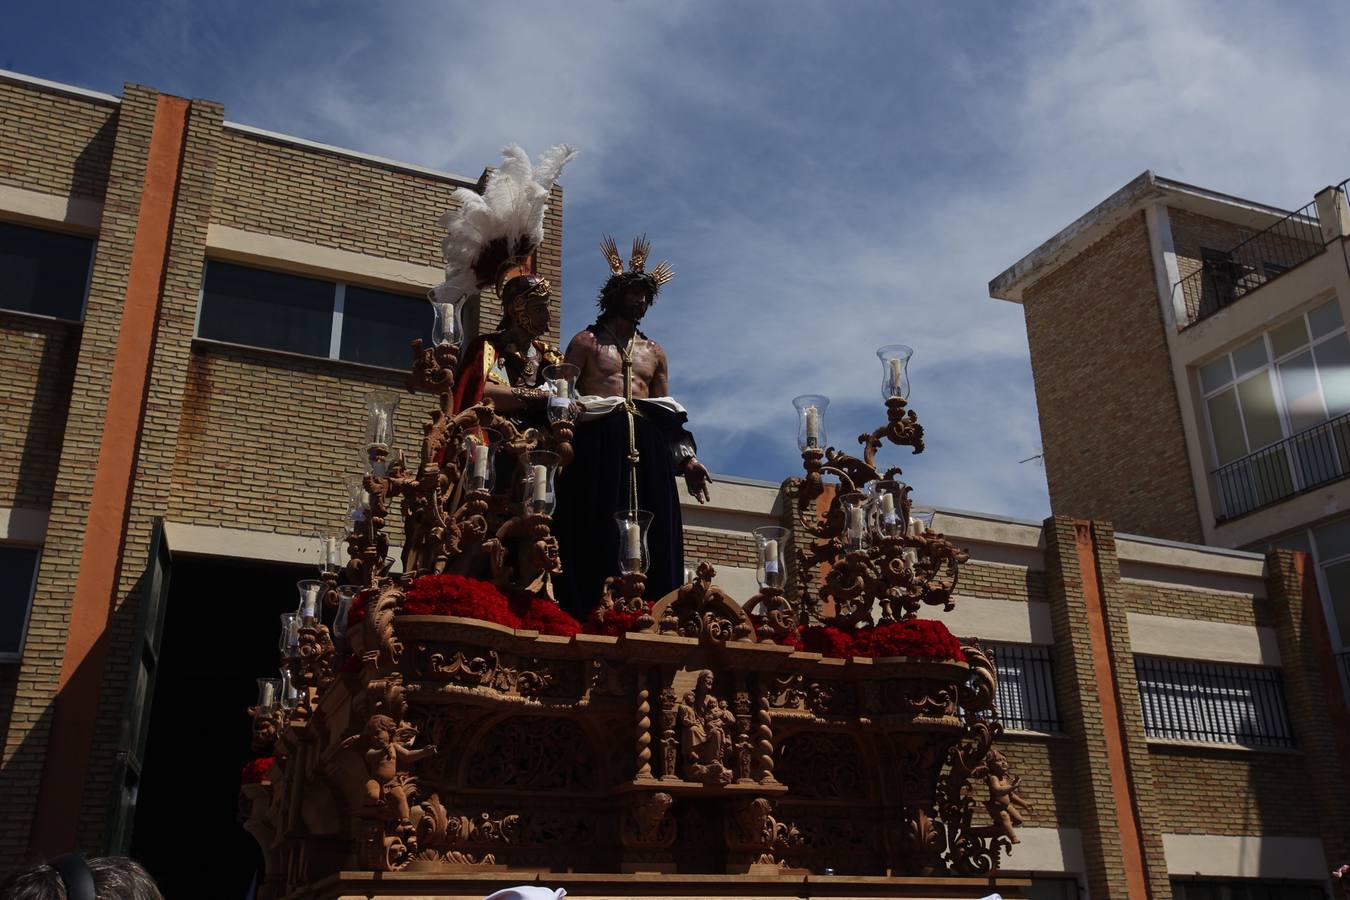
x: 255, y: 772
x: 616, y: 622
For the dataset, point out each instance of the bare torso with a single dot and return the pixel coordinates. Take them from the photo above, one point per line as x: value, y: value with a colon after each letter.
x: 599, y: 357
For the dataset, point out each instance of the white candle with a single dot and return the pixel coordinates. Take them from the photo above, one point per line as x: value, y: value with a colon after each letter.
x: 888, y: 504
x: 812, y: 426
x: 267, y: 695
x: 480, y: 459
x: 771, y: 557
x: 293, y: 632
x: 856, y: 522
x: 560, y: 388
x: 895, y: 377
x: 331, y: 552
x: 540, y: 477
x: 916, y: 526
x: 632, y: 542
x: 310, y: 606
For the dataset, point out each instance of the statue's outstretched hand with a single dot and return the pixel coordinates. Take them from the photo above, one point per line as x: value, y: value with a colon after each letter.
x: 697, y: 479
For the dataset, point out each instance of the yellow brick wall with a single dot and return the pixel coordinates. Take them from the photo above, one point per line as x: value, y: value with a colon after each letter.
x: 719, y: 548
x: 35, y: 384
x: 1000, y: 581
x: 1204, y: 791
x: 1095, y: 329
x: 265, y: 439
x: 54, y: 143
x: 1193, y: 603
x: 1045, y: 766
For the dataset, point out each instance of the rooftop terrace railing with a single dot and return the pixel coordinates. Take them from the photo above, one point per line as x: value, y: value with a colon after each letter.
x: 1226, y: 277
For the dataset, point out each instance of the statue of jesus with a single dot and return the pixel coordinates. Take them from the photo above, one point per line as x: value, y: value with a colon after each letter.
x: 621, y: 369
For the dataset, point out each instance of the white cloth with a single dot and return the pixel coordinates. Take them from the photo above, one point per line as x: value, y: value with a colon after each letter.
x: 527, y: 892
x: 593, y: 407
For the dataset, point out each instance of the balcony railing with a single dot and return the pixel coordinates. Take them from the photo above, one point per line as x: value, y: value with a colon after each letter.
x: 1265, y: 256
x: 1307, y: 460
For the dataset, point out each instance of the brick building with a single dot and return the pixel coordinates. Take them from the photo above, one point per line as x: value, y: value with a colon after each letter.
x: 192, y: 311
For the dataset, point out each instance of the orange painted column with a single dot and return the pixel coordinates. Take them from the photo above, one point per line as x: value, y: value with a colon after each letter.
x: 1108, y: 691
x: 78, y: 694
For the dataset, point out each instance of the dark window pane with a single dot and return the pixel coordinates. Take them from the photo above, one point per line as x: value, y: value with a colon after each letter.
x: 266, y: 309
x: 43, y: 272
x: 17, y: 566
x: 378, y: 326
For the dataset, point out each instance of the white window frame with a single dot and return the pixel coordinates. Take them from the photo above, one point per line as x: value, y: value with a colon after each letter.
x: 1269, y: 370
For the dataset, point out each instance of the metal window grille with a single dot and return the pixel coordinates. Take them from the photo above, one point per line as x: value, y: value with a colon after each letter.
x: 1026, y: 687
x: 1185, y: 700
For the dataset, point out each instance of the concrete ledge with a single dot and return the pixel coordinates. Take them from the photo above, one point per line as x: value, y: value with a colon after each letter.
x: 1198, y: 639
x: 237, y: 543
x: 23, y: 526
x: 1011, y: 621
x: 80, y: 214
x: 1229, y: 856
x: 230, y: 244
x: 1047, y: 850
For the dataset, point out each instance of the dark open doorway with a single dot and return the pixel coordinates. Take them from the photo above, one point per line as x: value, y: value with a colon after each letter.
x: 220, y: 634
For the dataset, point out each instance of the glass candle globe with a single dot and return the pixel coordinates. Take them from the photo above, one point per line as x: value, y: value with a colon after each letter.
x: 539, y: 498
x: 269, y: 694
x: 561, y: 383
x: 330, y: 551
x: 480, y: 459
x: 446, y: 330
x: 633, y: 556
x: 288, y: 694
x: 290, y: 634
x: 358, y: 499
x: 771, y: 561
x: 381, y: 407
x: 310, y: 592
x: 811, y: 421
x: 895, y: 370
x: 856, y: 508
x: 346, y: 596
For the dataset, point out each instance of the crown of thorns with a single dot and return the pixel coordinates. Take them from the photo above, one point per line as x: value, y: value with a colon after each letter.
x: 637, y: 263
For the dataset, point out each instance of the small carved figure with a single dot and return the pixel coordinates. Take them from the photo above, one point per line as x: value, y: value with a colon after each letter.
x: 387, y: 757
x: 704, y: 738
x: 1004, y: 801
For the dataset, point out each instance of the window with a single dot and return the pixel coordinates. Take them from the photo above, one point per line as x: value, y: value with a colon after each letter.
x: 1185, y: 700
x: 18, y: 573
x: 1244, y: 890
x: 1274, y: 408
x: 1026, y: 687
x: 277, y: 311
x: 43, y: 272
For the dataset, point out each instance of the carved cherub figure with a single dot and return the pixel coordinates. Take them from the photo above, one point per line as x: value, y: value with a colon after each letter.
x: 387, y: 757
x: 1004, y: 801
x: 704, y: 738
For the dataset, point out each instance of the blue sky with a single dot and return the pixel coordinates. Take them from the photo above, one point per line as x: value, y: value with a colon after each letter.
x: 825, y: 177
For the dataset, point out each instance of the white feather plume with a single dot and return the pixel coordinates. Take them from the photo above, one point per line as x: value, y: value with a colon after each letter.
x: 511, y: 207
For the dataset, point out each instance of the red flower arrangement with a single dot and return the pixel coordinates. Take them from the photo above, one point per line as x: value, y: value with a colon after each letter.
x: 542, y: 615
x: 917, y: 638
x: 456, y: 595
x: 255, y: 772
x: 616, y: 622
